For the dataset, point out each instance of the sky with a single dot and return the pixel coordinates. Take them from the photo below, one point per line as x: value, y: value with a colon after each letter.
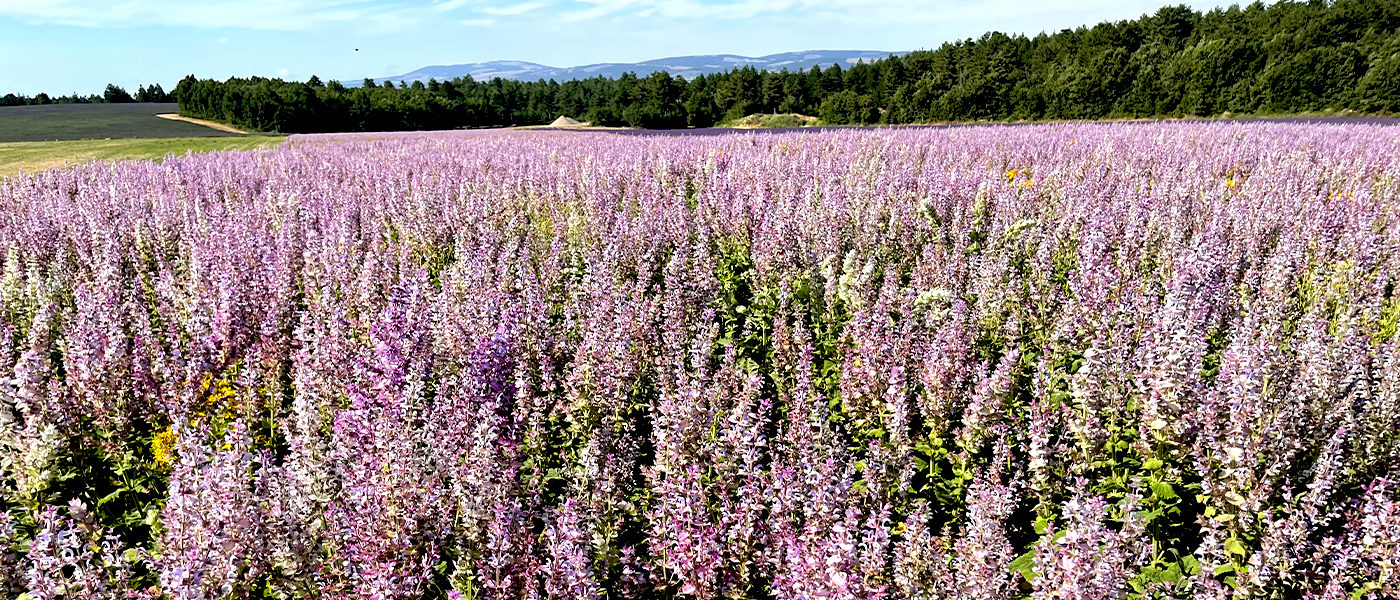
x: 65, y: 46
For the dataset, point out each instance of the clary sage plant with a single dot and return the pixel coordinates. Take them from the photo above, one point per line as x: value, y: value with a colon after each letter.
x: 1061, y: 361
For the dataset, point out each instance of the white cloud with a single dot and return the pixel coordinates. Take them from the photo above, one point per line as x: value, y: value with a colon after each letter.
x: 387, y: 16
x: 1010, y: 12
x: 281, y: 15
x: 276, y: 15
x: 513, y: 9
x: 450, y: 5
x: 602, y: 8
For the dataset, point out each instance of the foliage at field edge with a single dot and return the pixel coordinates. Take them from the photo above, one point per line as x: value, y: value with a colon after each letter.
x: 112, y: 94
x: 1088, y: 361
x: 1280, y: 58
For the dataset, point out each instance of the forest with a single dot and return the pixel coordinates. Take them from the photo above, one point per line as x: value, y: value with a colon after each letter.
x: 1285, y: 58
x: 114, y: 94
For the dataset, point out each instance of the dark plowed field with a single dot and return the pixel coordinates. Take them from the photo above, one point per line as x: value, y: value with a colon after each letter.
x: 95, y: 122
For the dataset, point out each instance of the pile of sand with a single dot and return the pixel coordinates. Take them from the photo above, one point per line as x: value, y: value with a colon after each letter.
x: 564, y: 121
x: 773, y: 121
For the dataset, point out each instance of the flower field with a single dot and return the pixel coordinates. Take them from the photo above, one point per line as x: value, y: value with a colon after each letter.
x: 1062, y: 361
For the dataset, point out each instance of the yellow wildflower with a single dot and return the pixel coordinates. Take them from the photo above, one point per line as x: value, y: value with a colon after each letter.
x: 163, y: 449
x: 218, y: 393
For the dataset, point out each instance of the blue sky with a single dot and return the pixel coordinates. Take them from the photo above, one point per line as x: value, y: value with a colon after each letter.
x: 62, y: 46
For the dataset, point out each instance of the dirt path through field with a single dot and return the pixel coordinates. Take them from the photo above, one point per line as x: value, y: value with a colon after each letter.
x: 210, y: 124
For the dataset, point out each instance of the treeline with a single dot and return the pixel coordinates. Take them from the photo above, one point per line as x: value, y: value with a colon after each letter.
x: 114, y: 94
x: 1285, y: 58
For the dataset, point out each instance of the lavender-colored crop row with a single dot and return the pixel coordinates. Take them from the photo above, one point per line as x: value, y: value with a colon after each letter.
x: 1068, y: 361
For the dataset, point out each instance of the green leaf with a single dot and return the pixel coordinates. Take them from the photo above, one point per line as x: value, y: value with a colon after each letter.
x: 1161, y: 489
x: 110, y: 497
x: 1042, y: 524
x: 1189, y: 565
x: 1025, y: 565
x: 1233, y: 546
x: 1169, y: 574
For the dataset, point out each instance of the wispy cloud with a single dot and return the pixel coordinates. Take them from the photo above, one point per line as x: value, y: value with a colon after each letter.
x: 865, y: 11
x: 405, y: 15
x: 602, y: 8
x: 513, y: 9
x: 450, y: 5
x: 271, y: 15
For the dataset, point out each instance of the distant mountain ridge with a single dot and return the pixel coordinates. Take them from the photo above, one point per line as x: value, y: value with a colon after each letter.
x: 685, y: 66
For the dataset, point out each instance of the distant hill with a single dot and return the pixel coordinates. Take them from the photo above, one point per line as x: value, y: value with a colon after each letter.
x: 685, y: 66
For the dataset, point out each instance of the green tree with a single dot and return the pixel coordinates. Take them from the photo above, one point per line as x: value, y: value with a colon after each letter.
x: 1282, y: 57
x: 1379, y: 89
x: 1314, y: 79
x: 115, y: 94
